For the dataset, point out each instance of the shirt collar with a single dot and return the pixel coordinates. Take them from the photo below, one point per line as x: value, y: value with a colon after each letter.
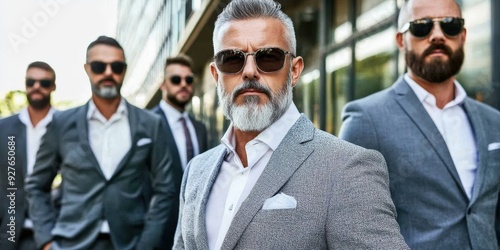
x: 171, y: 112
x: 424, y: 96
x: 271, y: 136
x: 94, y: 113
x: 24, y: 117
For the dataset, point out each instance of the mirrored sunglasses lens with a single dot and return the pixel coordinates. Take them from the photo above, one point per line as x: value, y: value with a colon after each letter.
x: 189, y: 79
x: 118, y: 67
x: 98, y: 67
x: 452, y: 27
x: 175, y: 80
x: 421, y: 29
x: 270, y: 59
x: 230, y: 61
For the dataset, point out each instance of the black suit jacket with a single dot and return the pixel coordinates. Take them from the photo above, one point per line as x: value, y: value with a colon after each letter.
x: 201, y: 135
x: 136, y: 218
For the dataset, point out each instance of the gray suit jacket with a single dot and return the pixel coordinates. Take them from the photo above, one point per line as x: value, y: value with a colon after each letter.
x: 342, y: 194
x: 13, y: 133
x: 136, y: 221
x: 433, y: 209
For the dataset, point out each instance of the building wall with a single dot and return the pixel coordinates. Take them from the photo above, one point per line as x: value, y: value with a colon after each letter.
x: 348, y: 47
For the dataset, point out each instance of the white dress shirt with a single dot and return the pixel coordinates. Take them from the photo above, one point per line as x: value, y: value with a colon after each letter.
x: 34, y: 135
x: 454, y: 126
x: 173, y: 118
x: 234, y: 182
x: 110, y: 140
x: 33, y: 139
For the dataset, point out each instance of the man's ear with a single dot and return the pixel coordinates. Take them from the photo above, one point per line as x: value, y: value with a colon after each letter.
x: 297, y: 68
x: 399, y: 40
x: 214, y: 72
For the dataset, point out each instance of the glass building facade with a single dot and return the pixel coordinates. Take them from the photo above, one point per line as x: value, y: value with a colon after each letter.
x: 348, y: 47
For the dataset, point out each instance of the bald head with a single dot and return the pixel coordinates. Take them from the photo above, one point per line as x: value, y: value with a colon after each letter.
x: 417, y: 9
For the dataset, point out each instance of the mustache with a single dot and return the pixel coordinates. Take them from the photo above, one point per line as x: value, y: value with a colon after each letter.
x: 107, y: 79
x: 447, y: 50
x: 252, y: 84
x: 35, y: 91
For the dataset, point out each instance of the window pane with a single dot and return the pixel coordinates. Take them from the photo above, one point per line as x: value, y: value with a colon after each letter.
x: 375, y: 64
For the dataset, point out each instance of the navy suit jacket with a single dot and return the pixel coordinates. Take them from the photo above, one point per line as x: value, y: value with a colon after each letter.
x: 201, y: 135
x: 135, y: 216
x: 433, y: 209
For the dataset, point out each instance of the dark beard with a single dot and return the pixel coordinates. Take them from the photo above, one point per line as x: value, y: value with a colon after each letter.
x: 437, y: 70
x: 39, y: 104
x: 177, y: 103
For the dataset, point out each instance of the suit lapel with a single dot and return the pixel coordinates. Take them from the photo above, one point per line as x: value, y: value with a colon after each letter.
x: 135, y: 125
x: 213, y: 165
x: 170, y: 138
x: 287, y: 158
x: 409, y: 102
x: 83, y: 136
x: 480, y: 134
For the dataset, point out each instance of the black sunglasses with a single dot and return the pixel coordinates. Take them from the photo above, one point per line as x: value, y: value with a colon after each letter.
x: 99, y: 67
x: 451, y: 26
x: 176, y: 80
x: 268, y: 60
x: 44, y: 83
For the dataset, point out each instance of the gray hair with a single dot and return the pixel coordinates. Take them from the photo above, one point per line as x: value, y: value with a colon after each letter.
x: 405, y: 14
x: 249, y: 9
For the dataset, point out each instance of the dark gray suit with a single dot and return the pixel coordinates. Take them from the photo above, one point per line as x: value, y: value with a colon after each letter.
x: 201, y: 135
x: 342, y: 194
x: 136, y: 219
x: 12, y: 127
x: 434, y: 211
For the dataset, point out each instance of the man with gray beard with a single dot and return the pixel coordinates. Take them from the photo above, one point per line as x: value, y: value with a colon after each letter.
x: 118, y: 187
x: 277, y: 182
x: 442, y: 148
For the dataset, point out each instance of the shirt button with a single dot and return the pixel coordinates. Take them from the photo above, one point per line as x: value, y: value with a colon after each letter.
x: 231, y: 207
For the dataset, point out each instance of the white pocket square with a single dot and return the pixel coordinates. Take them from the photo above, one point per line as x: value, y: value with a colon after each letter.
x: 280, y: 201
x: 143, y: 141
x: 493, y: 146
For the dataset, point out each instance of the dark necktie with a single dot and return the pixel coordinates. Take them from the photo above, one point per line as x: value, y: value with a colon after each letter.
x: 189, y: 142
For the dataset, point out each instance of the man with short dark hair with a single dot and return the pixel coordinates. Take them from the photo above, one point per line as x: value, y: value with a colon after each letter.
x: 20, y: 135
x: 186, y: 137
x: 442, y: 148
x: 110, y: 155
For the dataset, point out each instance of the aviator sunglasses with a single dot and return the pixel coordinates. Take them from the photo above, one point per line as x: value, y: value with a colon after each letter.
x: 44, y: 83
x: 99, y: 67
x: 451, y: 26
x: 176, y: 80
x: 268, y: 60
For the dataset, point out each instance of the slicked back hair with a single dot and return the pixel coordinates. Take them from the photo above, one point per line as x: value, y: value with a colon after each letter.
x: 42, y: 65
x: 105, y: 40
x: 249, y: 9
x: 180, y: 59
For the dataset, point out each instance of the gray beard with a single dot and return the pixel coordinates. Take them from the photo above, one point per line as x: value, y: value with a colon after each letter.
x: 105, y: 92
x: 251, y: 116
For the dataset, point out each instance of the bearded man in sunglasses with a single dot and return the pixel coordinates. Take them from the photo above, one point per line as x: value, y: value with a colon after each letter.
x: 277, y: 182
x: 186, y: 137
x: 442, y: 148
x: 20, y: 135
x: 118, y: 186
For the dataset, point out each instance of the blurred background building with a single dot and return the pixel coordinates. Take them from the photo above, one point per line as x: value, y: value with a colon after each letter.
x: 348, y: 47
